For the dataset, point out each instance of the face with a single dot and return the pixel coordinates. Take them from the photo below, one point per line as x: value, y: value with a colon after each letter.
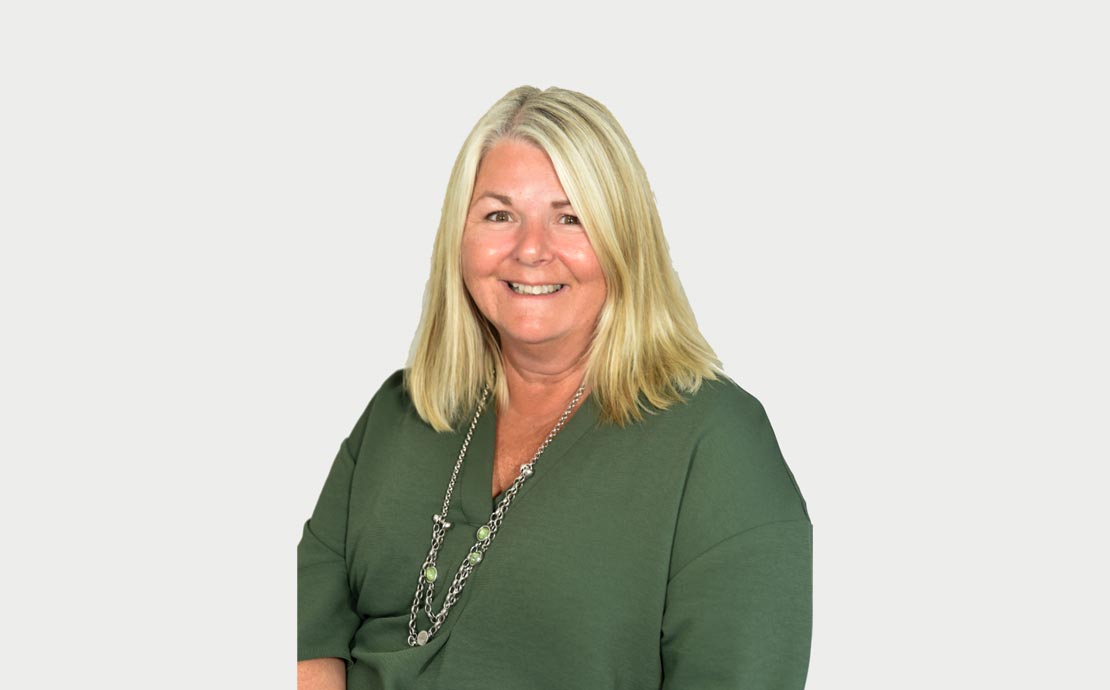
x: 526, y: 260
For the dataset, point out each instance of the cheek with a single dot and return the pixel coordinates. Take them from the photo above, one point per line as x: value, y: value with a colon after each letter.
x: 471, y: 260
x: 583, y: 262
x: 466, y: 262
x: 594, y: 275
x: 479, y: 263
x: 480, y: 254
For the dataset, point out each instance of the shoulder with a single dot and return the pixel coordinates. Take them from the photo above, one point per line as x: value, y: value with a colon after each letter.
x: 736, y: 478
x: 393, y: 392
x: 721, y: 412
x: 723, y: 400
x: 388, y: 407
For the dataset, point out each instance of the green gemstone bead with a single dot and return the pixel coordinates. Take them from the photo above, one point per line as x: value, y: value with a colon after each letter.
x: 483, y: 533
x: 475, y: 558
x: 430, y: 573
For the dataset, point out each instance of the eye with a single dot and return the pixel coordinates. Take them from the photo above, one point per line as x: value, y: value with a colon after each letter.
x: 566, y: 219
x: 498, y: 216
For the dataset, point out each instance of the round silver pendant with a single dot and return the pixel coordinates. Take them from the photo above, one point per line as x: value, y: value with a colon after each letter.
x: 422, y: 638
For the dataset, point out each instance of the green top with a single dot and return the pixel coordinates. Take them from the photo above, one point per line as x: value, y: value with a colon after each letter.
x: 674, y: 553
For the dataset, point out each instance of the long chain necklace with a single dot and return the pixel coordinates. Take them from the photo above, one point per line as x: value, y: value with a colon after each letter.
x: 425, y: 586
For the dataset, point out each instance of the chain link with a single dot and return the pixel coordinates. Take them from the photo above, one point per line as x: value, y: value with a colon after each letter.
x: 425, y: 586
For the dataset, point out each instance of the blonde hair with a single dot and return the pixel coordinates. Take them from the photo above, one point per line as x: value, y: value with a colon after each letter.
x: 647, y: 349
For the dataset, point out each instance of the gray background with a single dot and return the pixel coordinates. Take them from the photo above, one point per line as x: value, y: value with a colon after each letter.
x: 217, y: 218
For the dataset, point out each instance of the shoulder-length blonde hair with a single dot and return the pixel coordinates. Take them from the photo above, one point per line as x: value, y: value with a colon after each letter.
x: 647, y: 350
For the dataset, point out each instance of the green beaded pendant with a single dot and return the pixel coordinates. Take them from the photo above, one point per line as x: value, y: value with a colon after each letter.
x: 474, y: 558
x: 483, y: 533
x: 430, y: 573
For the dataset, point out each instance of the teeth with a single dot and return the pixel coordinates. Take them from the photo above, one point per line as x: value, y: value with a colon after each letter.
x: 534, y: 289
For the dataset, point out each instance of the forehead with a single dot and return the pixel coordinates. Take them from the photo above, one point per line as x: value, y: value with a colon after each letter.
x: 512, y: 166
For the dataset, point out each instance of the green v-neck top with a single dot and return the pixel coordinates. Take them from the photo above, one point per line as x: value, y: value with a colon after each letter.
x: 672, y: 553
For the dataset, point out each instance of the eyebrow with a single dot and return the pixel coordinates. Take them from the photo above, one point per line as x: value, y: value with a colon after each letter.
x: 508, y: 201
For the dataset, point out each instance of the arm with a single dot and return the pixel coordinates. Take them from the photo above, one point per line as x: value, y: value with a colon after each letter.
x: 322, y: 674
x: 326, y: 613
x: 739, y: 615
x: 738, y: 612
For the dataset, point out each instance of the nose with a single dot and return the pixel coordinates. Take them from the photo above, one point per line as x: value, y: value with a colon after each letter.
x: 533, y: 246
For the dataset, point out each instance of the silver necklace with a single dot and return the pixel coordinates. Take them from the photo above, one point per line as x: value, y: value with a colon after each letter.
x: 425, y: 586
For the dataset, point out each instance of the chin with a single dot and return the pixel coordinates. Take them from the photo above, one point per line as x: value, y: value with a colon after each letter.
x: 528, y: 337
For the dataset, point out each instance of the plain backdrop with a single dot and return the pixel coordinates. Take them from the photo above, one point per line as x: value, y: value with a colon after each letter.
x: 217, y: 217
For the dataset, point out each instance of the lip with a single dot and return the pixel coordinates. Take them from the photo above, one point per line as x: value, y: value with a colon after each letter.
x: 514, y: 293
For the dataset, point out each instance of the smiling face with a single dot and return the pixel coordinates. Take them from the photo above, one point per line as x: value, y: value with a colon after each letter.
x: 526, y: 260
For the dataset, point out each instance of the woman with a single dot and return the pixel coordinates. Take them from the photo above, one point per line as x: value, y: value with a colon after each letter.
x: 656, y: 538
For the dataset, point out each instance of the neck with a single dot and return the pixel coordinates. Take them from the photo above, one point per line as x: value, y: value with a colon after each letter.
x: 539, y: 387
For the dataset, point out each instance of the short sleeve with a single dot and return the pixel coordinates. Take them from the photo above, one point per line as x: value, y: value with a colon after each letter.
x: 738, y: 610
x: 739, y: 615
x: 326, y: 616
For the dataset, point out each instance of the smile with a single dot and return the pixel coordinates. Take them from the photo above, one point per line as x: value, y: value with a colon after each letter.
x: 522, y: 289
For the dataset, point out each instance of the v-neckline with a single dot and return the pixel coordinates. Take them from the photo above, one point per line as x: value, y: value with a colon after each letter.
x: 476, y: 477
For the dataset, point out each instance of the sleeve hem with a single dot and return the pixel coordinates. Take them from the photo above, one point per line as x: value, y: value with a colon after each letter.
x: 307, y: 653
